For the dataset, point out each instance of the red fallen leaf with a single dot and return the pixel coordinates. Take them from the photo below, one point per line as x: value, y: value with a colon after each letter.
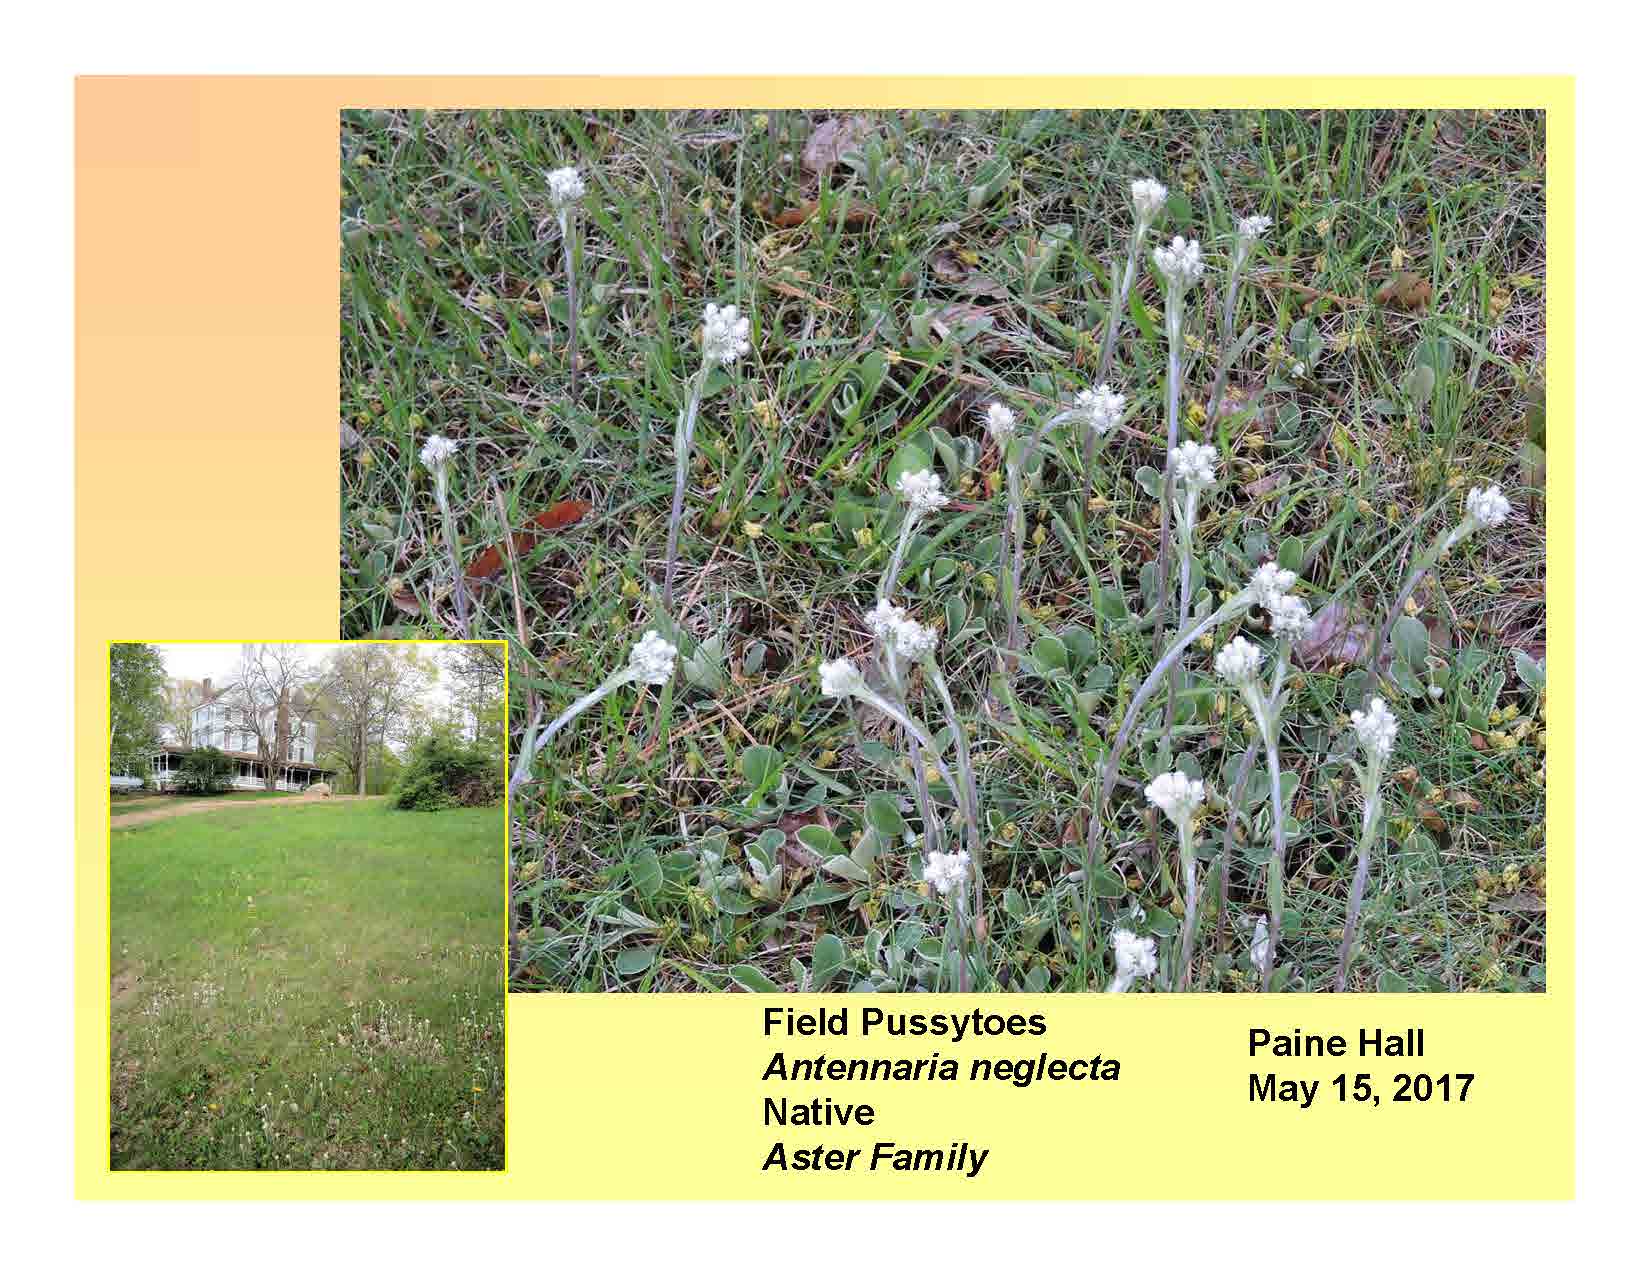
x: 487, y: 563
x: 854, y: 217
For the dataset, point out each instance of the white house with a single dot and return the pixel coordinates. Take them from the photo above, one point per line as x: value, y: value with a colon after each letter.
x: 214, y: 724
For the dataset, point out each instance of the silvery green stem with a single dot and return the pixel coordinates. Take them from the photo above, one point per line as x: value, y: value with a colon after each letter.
x: 524, y: 762
x: 893, y: 711
x: 1354, y: 902
x: 1175, y: 317
x: 684, y: 449
x: 1114, y: 323
x: 615, y: 680
x: 965, y: 768
x: 1228, y: 316
x: 1274, y: 898
x: 1239, y: 790
x: 450, y: 530
x: 962, y: 942
x: 1444, y: 541
x: 925, y: 799
x: 1187, y: 521
x: 572, y: 305
x: 1188, y: 928
x: 1016, y: 519
x: 890, y: 573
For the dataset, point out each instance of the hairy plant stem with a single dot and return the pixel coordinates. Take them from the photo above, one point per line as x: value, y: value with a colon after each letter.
x: 1186, y: 525
x: 1011, y: 563
x: 1188, y: 928
x: 684, y: 449
x: 965, y: 768
x: 1270, y: 725
x: 1239, y: 790
x: 615, y: 680
x: 449, y: 527
x: 566, y: 220
x: 1441, y: 544
x: 890, y: 573
x: 898, y: 715
x: 1366, y: 843
x: 1114, y: 323
x: 1175, y: 310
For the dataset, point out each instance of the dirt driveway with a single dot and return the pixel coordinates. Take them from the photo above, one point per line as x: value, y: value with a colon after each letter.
x: 198, y: 807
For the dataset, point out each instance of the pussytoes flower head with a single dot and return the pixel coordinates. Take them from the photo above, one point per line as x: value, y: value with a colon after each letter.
x: 838, y: 678
x: 884, y: 618
x: 1136, y: 955
x: 653, y: 659
x: 1180, y: 261
x: 727, y: 336
x: 566, y: 187
x: 1257, y: 947
x: 1290, y: 618
x: 1102, y: 409
x: 1269, y: 583
x: 913, y: 641
x: 1252, y: 228
x: 999, y: 423
x: 437, y: 452
x: 1194, y: 463
x: 922, y: 490
x: 1148, y: 196
x: 1487, y: 507
x: 1176, y: 795
x: 1238, y: 662
x: 945, y: 872
x: 1377, y: 730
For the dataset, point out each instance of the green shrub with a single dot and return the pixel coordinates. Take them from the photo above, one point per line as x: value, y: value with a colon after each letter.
x: 207, y: 770
x: 441, y: 772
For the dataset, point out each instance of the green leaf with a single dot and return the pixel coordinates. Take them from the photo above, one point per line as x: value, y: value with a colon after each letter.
x: 908, y: 460
x: 820, y: 840
x: 882, y: 813
x: 1390, y: 982
x: 752, y: 979
x: 843, y: 866
x: 1079, y: 643
x: 646, y: 873
x: 633, y: 960
x: 1533, y: 673
x: 1291, y: 554
x: 1411, y: 641
x: 828, y: 960
x: 1048, y: 655
x: 1151, y: 482
x: 761, y: 766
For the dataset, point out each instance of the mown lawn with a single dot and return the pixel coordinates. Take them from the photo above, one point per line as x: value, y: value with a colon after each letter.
x: 953, y: 259
x: 312, y: 988
x: 120, y: 804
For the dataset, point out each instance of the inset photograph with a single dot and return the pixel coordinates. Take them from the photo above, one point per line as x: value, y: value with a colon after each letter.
x: 306, y: 905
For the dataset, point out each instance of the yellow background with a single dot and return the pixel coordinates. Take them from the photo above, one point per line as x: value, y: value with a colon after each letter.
x: 206, y: 400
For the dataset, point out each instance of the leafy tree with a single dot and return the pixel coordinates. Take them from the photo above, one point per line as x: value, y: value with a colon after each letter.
x: 368, y: 698
x: 207, y: 770
x: 137, y: 678
x: 477, y: 668
x: 443, y: 771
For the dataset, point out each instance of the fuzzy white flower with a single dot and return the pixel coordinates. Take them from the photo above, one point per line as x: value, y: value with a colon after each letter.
x: 1252, y: 228
x: 1194, y: 463
x: 1238, y: 662
x: 1257, y: 947
x: 1290, y: 617
x: 1176, y: 795
x: 1269, y: 583
x: 566, y: 187
x: 838, y: 678
x: 1149, y: 197
x: 999, y: 423
x: 1487, y: 507
x: 1180, y: 261
x: 922, y: 490
x: 1377, y: 729
x: 913, y: 641
x: 1136, y: 955
x: 1101, y: 408
x: 727, y: 336
x: 653, y: 659
x: 884, y: 618
x: 946, y: 872
x: 437, y: 452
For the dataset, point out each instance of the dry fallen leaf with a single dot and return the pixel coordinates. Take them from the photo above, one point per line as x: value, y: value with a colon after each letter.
x: 832, y: 140
x: 405, y: 600
x: 1406, y: 290
x: 487, y: 563
x: 856, y: 216
x: 1333, y: 638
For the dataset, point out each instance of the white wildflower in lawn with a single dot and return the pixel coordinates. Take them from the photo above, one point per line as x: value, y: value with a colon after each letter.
x: 437, y: 452
x: 1194, y: 463
x: 1377, y: 729
x: 1136, y: 955
x: 945, y: 872
x: 922, y: 490
x: 1487, y: 507
x: 999, y: 423
x: 884, y: 618
x: 566, y: 187
x: 838, y: 678
x: 1180, y: 261
x: 1149, y: 197
x: 727, y: 336
x: 1290, y: 618
x: 913, y: 641
x: 1257, y: 948
x: 1176, y: 795
x: 653, y: 659
x: 1239, y: 662
x: 1101, y: 408
x: 1252, y: 228
x: 1269, y: 583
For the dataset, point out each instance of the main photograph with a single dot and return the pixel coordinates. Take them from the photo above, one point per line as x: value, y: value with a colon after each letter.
x: 974, y: 551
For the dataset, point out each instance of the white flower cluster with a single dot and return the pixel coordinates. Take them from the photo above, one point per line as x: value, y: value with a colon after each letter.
x: 1257, y: 947
x: 839, y: 678
x: 946, y: 872
x: 1252, y: 228
x: 1238, y: 662
x: 1136, y: 955
x: 922, y: 490
x: 727, y: 336
x: 1149, y: 197
x: 1270, y: 587
x: 1377, y: 729
x: 999, y: 423
x: 884, y: 619
x: 1487, y: 507
x: 653, y: 659
x: 913, y: 641
x: 437, y: 452
x: 1193, y: 463
x: 1181, y: 262
x: 1102, y: 409
x: 1176, y: 795
x: 566, y: 187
